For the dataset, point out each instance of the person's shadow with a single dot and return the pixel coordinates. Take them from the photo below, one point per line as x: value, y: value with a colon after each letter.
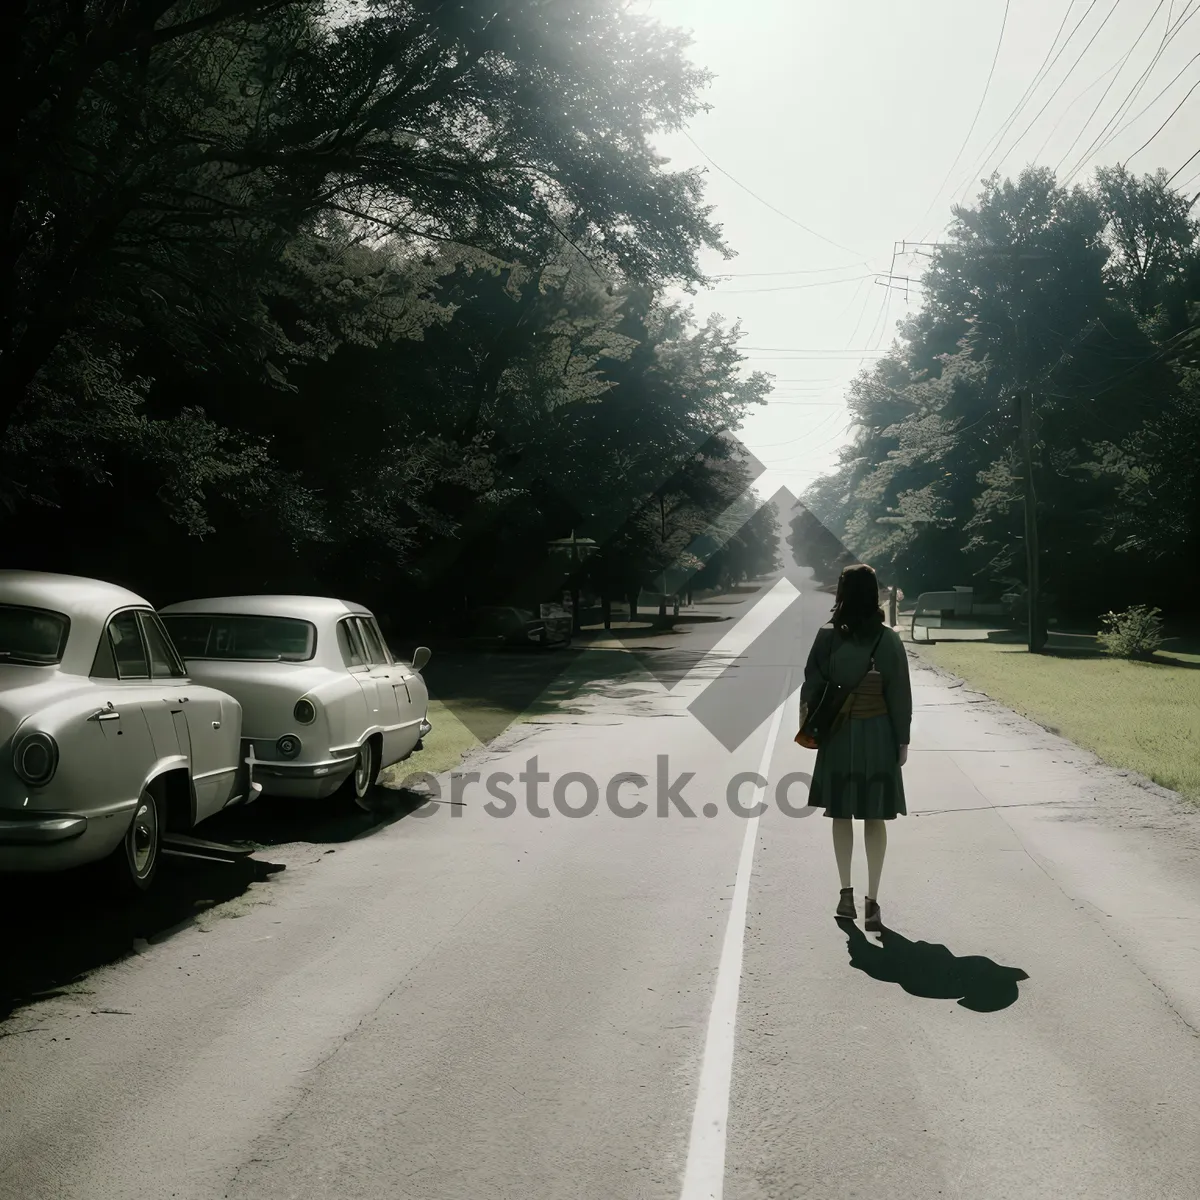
x: 929, y: 970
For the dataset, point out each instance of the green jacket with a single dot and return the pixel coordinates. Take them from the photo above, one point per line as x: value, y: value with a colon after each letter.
x: 848, y: 658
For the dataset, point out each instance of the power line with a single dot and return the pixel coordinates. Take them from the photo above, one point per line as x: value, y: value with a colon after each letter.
x: 795, y: 287
x: 1134, y: 120
x: 765, y: 352
x: 862, y: 312
x: 801, y: 271
x: 887, y: 312
x: 1163, y: 126
x: 785, y: 403
x: 1184, y: 167
x: 1092, y: 115
x: 1062, y: 82
x: 1087, y: 154
x: 974, y: 120
x: 1055, y: 127
x: 804, y: 437
x: 1046, y: 67
x: 828, y: 441
x: 768, y: 204
x: 1169, y: 35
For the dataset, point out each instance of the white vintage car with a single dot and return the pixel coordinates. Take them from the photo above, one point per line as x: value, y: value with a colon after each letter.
x: 105, y: 743
x: 325, y: 703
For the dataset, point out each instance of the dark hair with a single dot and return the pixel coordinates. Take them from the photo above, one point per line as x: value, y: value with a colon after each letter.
x: 856, y: 605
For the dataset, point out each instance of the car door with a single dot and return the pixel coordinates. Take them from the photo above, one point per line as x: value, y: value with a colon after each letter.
x: 412, y: 701
x: 198, y: 718
x: 358, y: 662
x: 133, y: 669
x: 120, y: 673
x: 389, y: 688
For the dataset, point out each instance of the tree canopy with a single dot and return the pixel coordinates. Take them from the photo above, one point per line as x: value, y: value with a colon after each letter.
x: 302, y: 293
x: 1088, y: 298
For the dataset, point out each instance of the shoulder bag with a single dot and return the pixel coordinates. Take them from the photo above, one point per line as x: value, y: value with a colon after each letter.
x: 820, y: 720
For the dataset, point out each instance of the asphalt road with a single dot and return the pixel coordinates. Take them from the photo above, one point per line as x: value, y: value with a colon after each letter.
x: 459, y: 1004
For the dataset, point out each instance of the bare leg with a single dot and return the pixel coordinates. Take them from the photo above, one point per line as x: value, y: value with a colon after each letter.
x: 843, y: 847
x: 875, y: 838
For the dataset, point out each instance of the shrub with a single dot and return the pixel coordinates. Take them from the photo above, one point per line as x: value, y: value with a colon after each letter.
x: 1134, y: 633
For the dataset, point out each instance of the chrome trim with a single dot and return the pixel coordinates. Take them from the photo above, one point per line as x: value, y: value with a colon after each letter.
x: 313, y: 770
x: 118, y: 808
x: 46, y: 828
x: 220, y: 771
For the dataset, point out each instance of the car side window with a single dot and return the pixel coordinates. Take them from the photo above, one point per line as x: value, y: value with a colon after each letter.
x: 129, y: 651
x: 373, y: 641
x: 164, y: 662
x: 350, y: 644
x: 387, y: 659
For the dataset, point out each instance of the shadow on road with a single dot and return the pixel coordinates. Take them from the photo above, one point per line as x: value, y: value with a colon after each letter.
x: 932, y: 971
x: 277, y: 821
x: 60, y: 927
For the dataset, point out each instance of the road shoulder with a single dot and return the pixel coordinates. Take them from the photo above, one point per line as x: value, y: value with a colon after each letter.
x: 1120, y: 846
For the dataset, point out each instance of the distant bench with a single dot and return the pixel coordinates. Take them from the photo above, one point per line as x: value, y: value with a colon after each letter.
x: 958, y: 609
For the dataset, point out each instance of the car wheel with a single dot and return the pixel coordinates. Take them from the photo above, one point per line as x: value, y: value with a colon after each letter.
x: 366, y: 771
x: 132, y: 866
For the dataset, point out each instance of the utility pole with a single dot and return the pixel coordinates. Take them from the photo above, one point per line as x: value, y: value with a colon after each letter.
x: 1033, y: 582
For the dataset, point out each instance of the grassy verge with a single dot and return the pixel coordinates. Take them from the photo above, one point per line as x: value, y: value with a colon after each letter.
x: 451, y: 739
x: 1144, y: 717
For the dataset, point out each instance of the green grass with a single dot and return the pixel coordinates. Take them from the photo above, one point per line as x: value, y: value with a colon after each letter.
x: 1144, y: 717
x: 450, y: 740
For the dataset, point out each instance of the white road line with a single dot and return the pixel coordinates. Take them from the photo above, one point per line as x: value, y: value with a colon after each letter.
x: 704, y: 1175
x: 745, y: 630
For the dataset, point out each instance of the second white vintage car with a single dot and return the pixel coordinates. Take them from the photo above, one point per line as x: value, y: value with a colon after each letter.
x: 105, y: 743
x: 325, y: 703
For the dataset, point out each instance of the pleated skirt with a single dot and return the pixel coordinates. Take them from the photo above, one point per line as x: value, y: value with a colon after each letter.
x: 857, y: 775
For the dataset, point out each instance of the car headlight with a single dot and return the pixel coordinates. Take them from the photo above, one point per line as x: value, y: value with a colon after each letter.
x: 35, y: 759
x: 304, y: 712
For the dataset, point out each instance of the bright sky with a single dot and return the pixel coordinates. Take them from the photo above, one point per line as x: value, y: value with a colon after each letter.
x: 846, y: 115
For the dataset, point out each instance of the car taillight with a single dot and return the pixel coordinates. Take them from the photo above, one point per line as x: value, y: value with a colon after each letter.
x: 35, y: 759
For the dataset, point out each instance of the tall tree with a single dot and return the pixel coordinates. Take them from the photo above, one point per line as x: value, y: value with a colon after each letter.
x: 159, y: 157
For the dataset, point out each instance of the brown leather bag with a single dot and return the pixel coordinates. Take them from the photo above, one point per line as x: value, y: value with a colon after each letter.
x: 820, y: 723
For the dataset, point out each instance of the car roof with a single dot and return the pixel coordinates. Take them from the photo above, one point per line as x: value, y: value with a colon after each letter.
x: 87, y: 602
x: 304, y: 608
x: 73, y: 595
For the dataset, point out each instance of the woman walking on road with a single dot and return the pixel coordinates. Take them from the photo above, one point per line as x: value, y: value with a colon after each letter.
x: 857, y: 773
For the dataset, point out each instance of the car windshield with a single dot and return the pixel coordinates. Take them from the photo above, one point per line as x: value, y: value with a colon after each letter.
x: 33, y: 636
x: 260, y: 639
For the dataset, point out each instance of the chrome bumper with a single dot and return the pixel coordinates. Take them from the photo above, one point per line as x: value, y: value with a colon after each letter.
x: 246, y: 788
x: 304, y: 780
x: 40, y: 830
x: 281, y: 769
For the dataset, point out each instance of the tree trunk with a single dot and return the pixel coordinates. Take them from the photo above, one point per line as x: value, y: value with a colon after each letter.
x: 606, y: 609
